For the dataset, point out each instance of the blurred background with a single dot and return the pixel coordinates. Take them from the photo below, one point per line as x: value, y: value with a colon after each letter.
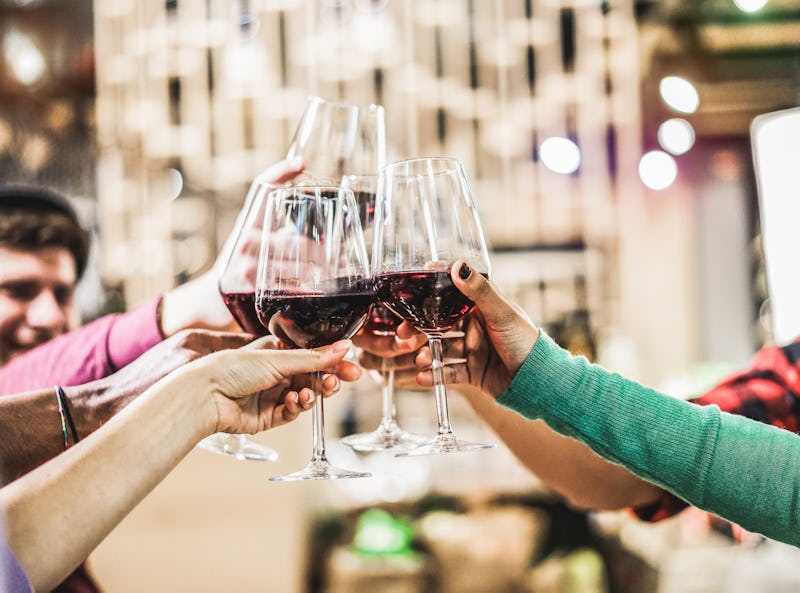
x: 608, y: 147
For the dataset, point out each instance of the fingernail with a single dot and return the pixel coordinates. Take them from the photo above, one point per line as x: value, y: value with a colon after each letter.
x: 296, y: 162
x: 341, y: 346
x: 464, y: 272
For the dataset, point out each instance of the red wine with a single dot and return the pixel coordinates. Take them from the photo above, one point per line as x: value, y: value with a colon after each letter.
x: 310, y: 320
x: 426, y: 299
x: 242, y: 306
x: 382, y: 322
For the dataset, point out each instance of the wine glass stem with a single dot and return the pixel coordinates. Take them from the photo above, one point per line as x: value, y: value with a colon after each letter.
x: 437, y: 368
x: 389, y: 415
x: 318, y: 420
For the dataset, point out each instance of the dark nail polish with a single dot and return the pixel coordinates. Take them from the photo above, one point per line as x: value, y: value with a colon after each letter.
x: 464, y: 272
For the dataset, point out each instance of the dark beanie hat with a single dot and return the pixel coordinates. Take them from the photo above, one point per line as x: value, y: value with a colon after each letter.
x: 41, y: 200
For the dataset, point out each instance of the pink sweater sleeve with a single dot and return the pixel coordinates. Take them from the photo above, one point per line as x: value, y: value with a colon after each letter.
x: 86, y: 354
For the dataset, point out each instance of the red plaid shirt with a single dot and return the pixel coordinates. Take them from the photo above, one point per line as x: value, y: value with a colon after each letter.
x: 769, y: 391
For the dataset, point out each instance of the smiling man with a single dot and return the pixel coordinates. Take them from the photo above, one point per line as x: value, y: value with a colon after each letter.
x: 43, y: 252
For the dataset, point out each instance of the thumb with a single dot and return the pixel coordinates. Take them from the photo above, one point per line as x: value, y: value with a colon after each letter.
x: 496, y: 310
x: 283, y: 171
x: 282, y: 364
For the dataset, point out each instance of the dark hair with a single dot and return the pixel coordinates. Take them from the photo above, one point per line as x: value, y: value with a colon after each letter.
x: 33, y: 218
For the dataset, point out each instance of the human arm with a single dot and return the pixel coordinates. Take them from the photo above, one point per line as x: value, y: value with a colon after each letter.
x: 29, y: 422
x: 103, y: 477
x: 567, y: 466
x: 198, y: 303
x: 113, y: 341
x: 739, y: 469
x: 742, y: 470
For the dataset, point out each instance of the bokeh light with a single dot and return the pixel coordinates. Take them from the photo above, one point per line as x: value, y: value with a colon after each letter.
x: 750, y: 5
x: 26, y: 61
x: 679, y: 94
x: 657, y: 170
x: 676, y: 135
x: 560, y: 155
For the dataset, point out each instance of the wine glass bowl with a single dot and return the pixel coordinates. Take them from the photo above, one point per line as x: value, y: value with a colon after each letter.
x: 236, y: 283
x: 426, y: 220
x: 388, y: 436
x: 337, y: 139
x: 313, y: 286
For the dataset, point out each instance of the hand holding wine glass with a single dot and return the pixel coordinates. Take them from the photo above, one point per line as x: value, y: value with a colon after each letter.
x: 236, y: 268
x: 388, y: 436
x: 313, y: 286
x: 425, y: 220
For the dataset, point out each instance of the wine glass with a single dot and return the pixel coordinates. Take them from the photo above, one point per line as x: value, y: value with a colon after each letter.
x: 425, y: 220
x: 313, y: 286
x: 388, y: 436
x: 237, y: 285
x: 338, y: 139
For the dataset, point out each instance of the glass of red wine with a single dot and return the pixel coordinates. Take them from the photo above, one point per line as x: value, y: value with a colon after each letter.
x: 425, y: 219
x: 237, y: 285
x: 338, y: 139
x: 388, y: 436
x: 313, y: 286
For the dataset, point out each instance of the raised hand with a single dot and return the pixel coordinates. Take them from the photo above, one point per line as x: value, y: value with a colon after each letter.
x: 498, y: 336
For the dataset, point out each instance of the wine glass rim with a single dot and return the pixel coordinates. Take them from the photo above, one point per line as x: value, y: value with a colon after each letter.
x: 454, y: 163
x: 368, y: 106
x: 304, y: 192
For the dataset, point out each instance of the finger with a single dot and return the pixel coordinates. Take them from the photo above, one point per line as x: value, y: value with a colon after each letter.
x: 496, y: 310
x: 405, y: 331
x: 347, y: 371
x: 205, y: 340
x: 295, y: 403
x: 249, y: 369
x: 330, y: 385
x: 262, y: 343
x: 453, y: 374
x: 479, y: 290
x: 291, y: 406
x: 283, y: 171
x: 424, y: 358
x: 390, y: 346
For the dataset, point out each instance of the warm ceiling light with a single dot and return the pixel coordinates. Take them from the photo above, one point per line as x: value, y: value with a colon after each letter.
x: 676, y: 135
x: 679, y: 94
x: 657, y: 170
x: 26, y: 61
x: 750, y: 5
x: 560, y: 155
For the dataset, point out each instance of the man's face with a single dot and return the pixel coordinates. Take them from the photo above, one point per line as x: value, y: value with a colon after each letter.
x: 36, y: 298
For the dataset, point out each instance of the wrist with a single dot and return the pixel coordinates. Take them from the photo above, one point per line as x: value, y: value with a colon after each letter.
x: 90, y: 405
x: 191, y: 392
x: 195, y: 304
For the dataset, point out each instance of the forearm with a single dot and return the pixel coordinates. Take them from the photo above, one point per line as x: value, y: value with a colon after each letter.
x: 567, y: 466
x: 86, y: 354
x: 745, y: 471
x: 31, y: 425
x: 131, y: 454
x: 195, y: 304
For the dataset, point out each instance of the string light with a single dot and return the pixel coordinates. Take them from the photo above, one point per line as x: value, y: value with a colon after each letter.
x: 560, y: 155
x: 679, y: 94
x: 657, y: 170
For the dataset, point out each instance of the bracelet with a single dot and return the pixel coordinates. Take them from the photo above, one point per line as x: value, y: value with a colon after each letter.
x: 66, y: 417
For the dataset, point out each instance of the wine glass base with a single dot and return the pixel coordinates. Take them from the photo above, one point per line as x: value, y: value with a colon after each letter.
x: 319, y: 470
x: 445, y: 444
x: 384, y: 439
x: 238, y: 447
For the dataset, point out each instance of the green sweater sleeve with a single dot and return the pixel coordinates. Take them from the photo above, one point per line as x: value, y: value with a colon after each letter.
x: 737, y: 468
